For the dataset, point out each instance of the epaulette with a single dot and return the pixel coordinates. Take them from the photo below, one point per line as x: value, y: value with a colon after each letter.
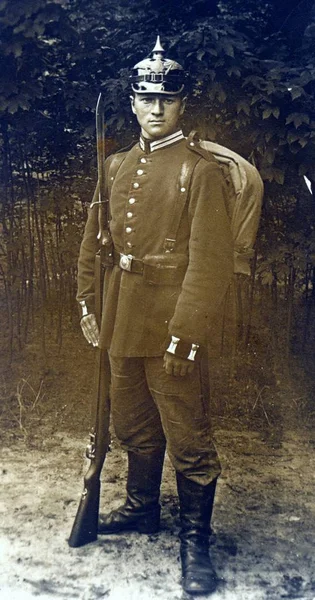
x: 193, y: 143
x: 126, y: 148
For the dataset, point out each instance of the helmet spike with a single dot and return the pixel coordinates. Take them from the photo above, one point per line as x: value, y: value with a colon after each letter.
x: 158, y: 46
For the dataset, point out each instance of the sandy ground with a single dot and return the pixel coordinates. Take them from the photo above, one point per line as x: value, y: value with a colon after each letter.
x: 263, y: 522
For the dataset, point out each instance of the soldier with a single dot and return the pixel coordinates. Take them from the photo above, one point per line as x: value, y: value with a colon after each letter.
x: 173, y: 263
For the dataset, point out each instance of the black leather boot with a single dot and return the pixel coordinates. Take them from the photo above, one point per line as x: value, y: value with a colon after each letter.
x: 196, y: 503
x: 141, y: 511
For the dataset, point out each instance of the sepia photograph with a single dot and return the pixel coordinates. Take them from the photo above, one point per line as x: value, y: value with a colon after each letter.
x: 157, y: 293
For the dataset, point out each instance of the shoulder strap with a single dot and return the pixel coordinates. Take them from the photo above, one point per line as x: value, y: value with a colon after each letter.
x: 183, y: 187
x: 184, y: 181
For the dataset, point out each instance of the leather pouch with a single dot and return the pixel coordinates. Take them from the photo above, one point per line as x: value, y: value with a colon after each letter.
x: 107, y: 254
x: 164, y: 269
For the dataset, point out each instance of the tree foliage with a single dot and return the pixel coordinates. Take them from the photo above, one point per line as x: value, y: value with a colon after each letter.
x: 251, y: 86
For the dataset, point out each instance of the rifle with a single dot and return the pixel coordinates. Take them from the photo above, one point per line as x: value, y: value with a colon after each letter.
x: 85, y: 526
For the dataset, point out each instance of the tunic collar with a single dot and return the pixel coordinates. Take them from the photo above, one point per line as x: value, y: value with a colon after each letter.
x: 148, y: 146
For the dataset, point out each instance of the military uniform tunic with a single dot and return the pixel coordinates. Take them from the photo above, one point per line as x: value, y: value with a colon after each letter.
x: 138, y: 318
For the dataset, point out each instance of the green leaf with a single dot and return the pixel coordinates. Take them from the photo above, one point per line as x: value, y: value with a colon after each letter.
x: 16, y: 49
x: 273, y: 174
x: 303, y: 142
x: 271, y: 110
x: 293, y: 137
x: 3, y: 103
x: 270, y: 156
x: 276, y: 112
x: 200, y: 54
x: 297, y: 119
x: 296, y: 92
x: 268, y: 136
x: 256, y: 98
x: 228, y: 49
x: 278, y: 176
x: 234, y: 71
x: 13, y: 106
x: 242, y: 106
x: 267, y: 112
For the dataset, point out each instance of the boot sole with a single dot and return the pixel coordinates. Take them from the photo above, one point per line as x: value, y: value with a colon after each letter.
x: 196, y: 587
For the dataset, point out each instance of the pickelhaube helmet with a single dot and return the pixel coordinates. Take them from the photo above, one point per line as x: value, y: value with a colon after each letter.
x: 157, y: 74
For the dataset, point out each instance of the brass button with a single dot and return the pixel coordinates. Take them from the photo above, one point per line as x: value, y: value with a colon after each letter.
x: 136, y: 185
x: 182, y: 189
x: 129, y: 245
x: 131, y: 200
x: 129, y: 215
x: 143, y: 160
x: 140, y: 172
x: 128, y: 229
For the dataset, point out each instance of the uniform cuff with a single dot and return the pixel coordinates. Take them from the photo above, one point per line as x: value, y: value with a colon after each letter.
x: 182, y: 349
x: 85, y: 308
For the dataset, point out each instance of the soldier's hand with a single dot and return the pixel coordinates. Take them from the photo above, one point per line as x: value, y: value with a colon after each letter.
x: 177, y: 366
x: 90, y: 329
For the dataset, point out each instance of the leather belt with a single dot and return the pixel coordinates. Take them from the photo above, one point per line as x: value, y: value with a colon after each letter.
x: 127, y: 262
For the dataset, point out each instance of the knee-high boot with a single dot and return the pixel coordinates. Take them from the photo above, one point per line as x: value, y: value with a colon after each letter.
x: 141, y: 510
x: 196, y: 503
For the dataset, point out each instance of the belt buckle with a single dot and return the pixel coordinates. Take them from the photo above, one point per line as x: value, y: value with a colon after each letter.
x: 125, y: 261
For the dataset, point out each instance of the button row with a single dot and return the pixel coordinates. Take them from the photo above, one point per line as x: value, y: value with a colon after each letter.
x: 132, y: 200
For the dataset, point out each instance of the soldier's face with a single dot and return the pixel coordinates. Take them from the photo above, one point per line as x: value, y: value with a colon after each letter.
x: 157, y: 114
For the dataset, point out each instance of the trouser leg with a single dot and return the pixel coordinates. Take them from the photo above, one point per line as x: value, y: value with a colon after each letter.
x: 138, y: 427
x: 135, y: 416
x: 186, y: 424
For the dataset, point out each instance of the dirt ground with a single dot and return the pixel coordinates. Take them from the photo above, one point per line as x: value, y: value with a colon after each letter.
x: 263, y: 542
x: 263, y: 522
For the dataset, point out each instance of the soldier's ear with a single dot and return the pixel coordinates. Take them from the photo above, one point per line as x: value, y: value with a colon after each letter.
x: 132, y: 102
x: 183, y: 105
x: 184, y: 100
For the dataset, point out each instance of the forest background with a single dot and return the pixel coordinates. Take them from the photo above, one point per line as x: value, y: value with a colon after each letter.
x: 252, y: 83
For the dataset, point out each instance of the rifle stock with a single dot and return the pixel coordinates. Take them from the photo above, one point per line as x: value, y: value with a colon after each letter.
x: 85, y: 525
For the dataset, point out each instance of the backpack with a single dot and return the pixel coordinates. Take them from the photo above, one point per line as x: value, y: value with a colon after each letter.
x: 245, y: 194
x: 245, y: 197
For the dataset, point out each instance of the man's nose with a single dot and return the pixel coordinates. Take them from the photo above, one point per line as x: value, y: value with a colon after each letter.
x: 158, y: 106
